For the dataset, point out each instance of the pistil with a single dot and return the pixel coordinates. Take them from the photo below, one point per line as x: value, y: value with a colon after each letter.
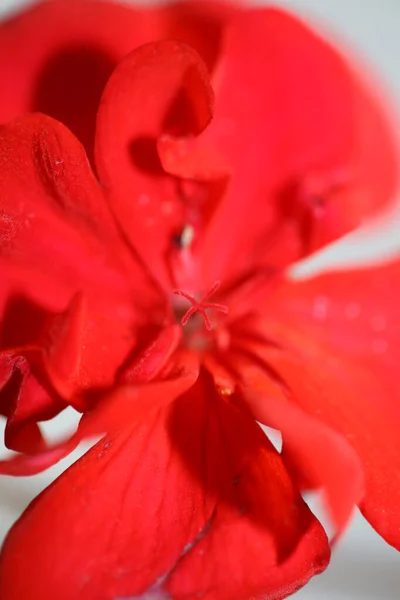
x: 200, y: 306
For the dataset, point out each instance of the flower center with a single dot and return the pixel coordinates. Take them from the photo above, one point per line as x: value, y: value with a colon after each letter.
x: 201, y: 306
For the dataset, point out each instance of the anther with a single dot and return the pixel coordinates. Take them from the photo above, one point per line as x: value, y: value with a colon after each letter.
x: 200, y: 306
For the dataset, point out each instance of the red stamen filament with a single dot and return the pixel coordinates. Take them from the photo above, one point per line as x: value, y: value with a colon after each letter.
x: 200, y: 306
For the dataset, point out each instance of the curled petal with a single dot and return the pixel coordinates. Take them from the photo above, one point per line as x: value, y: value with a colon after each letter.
x: 186, y: 158
x: 31, y: 464
x: 113, y: 411
x: 154, y: 357
x: 319, y: 458
x: 59, y: 251
x: 159, y: 88
x: 60, y: 364
x: 23, y: 402
x: 74, y: 46
x: 130, y: 404
x: 339, y: 335
x: 305, y: 139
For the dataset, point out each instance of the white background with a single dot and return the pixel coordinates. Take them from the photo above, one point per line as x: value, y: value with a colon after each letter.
x: 363, y: 566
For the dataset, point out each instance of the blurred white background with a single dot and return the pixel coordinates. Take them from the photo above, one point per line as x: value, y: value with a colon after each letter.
x: 363, y: 566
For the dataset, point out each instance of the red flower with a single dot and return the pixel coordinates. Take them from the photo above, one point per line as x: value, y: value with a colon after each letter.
x: 156, y: 301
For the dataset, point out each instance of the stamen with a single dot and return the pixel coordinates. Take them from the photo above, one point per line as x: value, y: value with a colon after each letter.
x: 185, y: 238
x: 200, y: 306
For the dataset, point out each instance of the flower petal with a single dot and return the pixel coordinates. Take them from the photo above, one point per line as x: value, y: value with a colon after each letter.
x: 54, y: 221
x: 132, y: 403
x: 63, y: 364
x: 56, y: 57
x: 83, y: 347
x: 159, y: 86
x: 66, y: 300
x: 318, y: 456
x: 31, y: 464
x: 298, y: 130
x: 339, y: 334
x: 184, y: 482
x: 111, y: 414
x: 24, y: 401
x: 154, y: 357
x: 58, y: 238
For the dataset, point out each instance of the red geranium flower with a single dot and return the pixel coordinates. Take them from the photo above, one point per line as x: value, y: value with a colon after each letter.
x: 155, y: 299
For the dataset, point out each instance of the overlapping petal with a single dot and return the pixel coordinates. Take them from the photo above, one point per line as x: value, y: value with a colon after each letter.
x: 55, y: 227
x: 112, y: 412
x: 184, y: 496
x: 57, y: 235
x: 23, y: 402
x: 159, y: 87
x: 209, y: 475
x: 319, y: 457
x: 74, y: 45
x: 296, y: 129
x: 337, y: 356
x: 59, y: 250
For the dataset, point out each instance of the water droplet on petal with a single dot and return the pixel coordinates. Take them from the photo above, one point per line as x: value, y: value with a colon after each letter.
x: 320, y: 308
x: 378, y: 323
x: 167, y: 208
x: 352, y: 310
x: 143, y: 199
x: 379, y: 346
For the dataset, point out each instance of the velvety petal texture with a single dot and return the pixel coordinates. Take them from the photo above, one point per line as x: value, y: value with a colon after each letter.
x: 197, y: 150
x: 123, y: 405
x: 159, y: 87
x: 55, y: 221
x: 319, y: 458
x: 74, y: 45
x: 337, y: 360
x: 59, y: 249
x: 297, y: 138
x: 208, y: 475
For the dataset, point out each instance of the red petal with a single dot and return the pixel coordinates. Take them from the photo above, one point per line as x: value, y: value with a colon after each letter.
x: 83, y: 348
x: 60, y: 241
x: 131, y: 404
x: 339, y: 335
x: 66, y: 302
x: 24, y: 401
x: 183, y: 483
x: 159, y: 86
x: 189, y: 159
x: 68, y: 359
x: 31, y: 464
x: 298, y: 131
x: 154, y: 357
x: 55, y: 223
x: 318, y: 456
x: 125, y: 405
x: 57, y: 56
